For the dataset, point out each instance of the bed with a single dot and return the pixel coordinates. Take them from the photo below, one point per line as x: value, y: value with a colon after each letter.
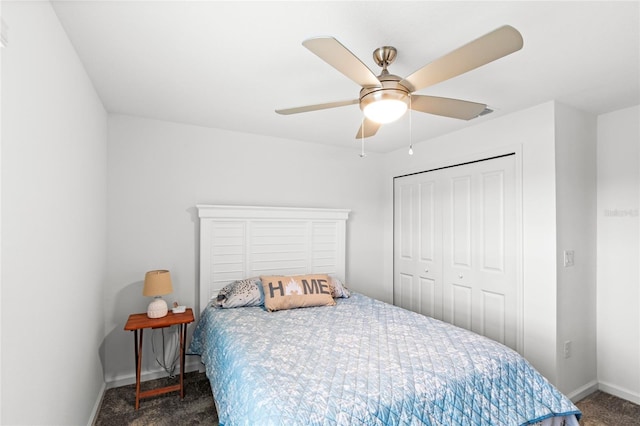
x: 350, y: 360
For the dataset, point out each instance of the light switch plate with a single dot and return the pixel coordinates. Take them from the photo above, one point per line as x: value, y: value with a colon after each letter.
x: 568, y: 258
x: 567, y: 349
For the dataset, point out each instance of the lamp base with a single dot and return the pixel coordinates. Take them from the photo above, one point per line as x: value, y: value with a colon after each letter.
x: 157, y: 308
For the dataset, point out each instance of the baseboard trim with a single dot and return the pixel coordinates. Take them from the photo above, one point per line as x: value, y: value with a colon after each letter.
x: 583, y: 391
x: 129, y: 379
x: 96, y: 407
x: 620, y: 392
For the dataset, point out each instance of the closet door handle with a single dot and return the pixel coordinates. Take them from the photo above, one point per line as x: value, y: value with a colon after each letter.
x: 460, y: 276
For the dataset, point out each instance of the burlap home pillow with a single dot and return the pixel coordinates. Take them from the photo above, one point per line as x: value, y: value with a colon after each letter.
x: 298, y: 291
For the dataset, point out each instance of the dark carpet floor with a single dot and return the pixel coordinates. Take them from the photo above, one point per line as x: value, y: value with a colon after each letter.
x: 118, y: 406
x: 602, y: 409
x: 197, y: 408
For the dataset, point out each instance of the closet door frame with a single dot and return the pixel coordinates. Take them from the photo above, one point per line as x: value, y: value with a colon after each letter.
x: 516, y: 151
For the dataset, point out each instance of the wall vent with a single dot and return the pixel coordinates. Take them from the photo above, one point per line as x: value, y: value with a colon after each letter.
x: 485, y: 111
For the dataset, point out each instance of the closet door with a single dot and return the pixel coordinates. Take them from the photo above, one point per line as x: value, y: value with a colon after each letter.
x: 479, y: 245
x: 418, y: 244
x: 455, y: 246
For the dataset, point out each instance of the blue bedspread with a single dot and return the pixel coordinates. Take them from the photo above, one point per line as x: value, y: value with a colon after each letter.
x: 364, y: 362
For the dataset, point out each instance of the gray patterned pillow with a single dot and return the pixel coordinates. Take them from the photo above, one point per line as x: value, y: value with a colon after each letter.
x: 338, y: 289
x: 240, y: 293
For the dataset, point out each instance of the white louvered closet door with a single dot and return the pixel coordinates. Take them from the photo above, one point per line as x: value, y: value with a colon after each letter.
x: 455, y: 242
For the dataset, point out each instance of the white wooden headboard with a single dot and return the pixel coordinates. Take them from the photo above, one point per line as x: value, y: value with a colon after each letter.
x: 238, y: 242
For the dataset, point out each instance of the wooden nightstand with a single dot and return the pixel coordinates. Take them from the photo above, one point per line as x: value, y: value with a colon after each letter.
x: 138, y: 322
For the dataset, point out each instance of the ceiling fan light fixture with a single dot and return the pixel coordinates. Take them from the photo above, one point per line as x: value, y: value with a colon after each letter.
x: 386, y: 97
x: 385, y: 106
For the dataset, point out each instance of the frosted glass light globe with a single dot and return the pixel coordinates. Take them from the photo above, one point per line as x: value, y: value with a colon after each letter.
x: 385, y: 110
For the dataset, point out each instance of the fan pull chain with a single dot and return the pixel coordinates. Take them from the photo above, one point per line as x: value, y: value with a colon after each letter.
x: 410, y: 129
x: 362, y: 153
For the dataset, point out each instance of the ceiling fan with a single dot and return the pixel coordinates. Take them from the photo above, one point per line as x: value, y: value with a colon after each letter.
x: 386, y: 97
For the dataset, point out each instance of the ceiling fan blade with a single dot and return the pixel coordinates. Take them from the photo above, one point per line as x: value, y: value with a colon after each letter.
x: 481, y: 51
x: 316, y: 107
x: 335, y: 54
x: 446, y: 107
x: 370, y: 128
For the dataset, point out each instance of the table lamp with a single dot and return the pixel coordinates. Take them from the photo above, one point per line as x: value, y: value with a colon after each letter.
x: 156, y: 284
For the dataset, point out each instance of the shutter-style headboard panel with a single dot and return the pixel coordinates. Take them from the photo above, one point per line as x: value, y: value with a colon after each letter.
x: 239, y: 242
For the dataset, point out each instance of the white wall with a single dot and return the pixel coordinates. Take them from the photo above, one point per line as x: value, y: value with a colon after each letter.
x: 576, y: 230
x: 2, y: 45
x: 53, y: 224
x: 159, y: 171
x: 618, y: 291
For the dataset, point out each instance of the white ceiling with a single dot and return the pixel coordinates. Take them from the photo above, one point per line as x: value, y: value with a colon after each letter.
x: 229, y: 65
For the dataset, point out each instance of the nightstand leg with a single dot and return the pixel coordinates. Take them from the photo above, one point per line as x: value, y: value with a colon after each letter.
x: 183, y: 341
x: 138, y: 345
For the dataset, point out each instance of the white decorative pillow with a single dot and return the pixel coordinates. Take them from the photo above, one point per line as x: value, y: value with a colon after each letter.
x: 247, y: 292
x: 338, y: 289
x: 296, y: 291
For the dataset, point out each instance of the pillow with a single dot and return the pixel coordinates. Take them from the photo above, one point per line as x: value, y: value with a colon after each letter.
x: 338, y: 289
x: 240, y: 293
x: 296, y: 291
